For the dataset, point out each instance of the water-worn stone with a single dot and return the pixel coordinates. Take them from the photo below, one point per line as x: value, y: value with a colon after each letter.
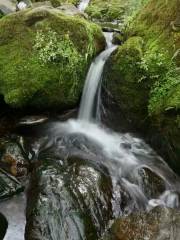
x: 12, y: 158
x: 158, y: 224
x: 68, y: 199
x: 3, y: 226
x: 9, y: 185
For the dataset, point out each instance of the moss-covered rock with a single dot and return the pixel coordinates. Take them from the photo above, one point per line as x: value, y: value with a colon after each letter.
x: 144, y: 75
x: 57, y: 3
x: 42, y: 61
x: 113, y: 10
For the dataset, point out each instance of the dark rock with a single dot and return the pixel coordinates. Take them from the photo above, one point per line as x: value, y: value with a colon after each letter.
x: 32, y: 120
x: 12, y: 158
x: 68, y: 199
x: 3, y: 226
x: 9, y: 185
x: 109, y: 29
x: 117, y: 38
x: 152, y: 184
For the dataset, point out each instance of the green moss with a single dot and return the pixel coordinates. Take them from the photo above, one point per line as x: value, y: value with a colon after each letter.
x: 149, y: 92
x: 123, y: 80
x: 112, y: 10
x: 57, y: 3
x: 27, y: 81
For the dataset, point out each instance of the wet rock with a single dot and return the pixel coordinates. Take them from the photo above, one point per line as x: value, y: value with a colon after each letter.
x: 12, y: 158
x: 109, y: 29
x: 117, y: 38
x: 159, y: 224
x: 9, y: 185
x: 32, y: 120
x: 152, y: 184
x: 68, y: 199
x: 3, y: 226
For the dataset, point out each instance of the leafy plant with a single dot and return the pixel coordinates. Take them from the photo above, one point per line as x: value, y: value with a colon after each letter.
x: 53, y: 49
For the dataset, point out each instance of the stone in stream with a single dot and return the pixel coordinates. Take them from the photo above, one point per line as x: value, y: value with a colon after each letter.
x: 68, y: 200
x: 9, y: 185
x: 32, y: 120
x: 3, y: 226
x: 152, y: 184
x: 12, y: 158
x: 158, y: 224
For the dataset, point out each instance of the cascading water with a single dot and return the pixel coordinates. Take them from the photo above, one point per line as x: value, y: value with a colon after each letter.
x: 83, y: 5
x: 91, y: 174
x: 127, y: 158
x: 93, y: 79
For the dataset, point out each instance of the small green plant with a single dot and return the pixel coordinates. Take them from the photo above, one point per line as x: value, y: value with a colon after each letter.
x: 161, y: 89
x: 54, y: 49
x: 155, y: 65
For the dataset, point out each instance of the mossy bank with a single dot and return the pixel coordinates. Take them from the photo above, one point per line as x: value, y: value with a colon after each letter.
x: 113, y: 10
x: 44, y: 57
x: 144, y: 75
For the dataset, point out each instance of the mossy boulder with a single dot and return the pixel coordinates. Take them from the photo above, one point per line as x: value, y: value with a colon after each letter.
x: 114, y: 10
x: 42, y: 61
x: 144, y: 76
x: 57, y: 3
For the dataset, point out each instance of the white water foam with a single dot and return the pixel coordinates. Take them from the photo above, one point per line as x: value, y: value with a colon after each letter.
x: 83, y: 5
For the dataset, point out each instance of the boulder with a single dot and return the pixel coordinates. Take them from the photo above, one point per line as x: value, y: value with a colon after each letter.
x: 158, y: 224
x: 68, y: 199
x: 47, y: 65
x: 12, y: 158
x: 9, y: 185
x: 3, y: 226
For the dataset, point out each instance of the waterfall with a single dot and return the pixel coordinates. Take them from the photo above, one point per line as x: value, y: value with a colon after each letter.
x: 93, y: 79
x: 83, y: 5
x: 131, y: 163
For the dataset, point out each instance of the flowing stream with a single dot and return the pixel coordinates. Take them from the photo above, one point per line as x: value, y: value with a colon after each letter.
x: 90, y: 172
x: 131, y: 163
x: 93, y: 79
